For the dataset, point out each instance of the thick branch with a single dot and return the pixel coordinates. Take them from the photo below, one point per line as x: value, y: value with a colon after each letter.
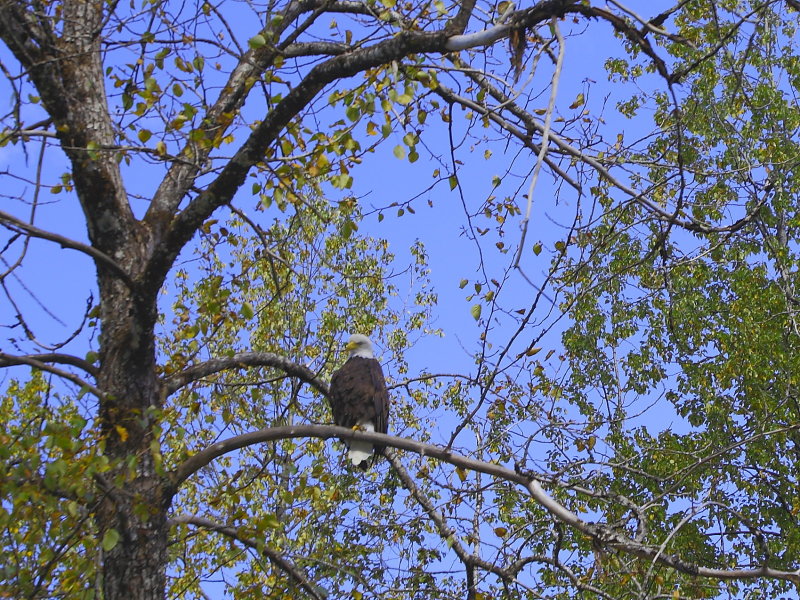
x: 316, y: 49
x: 222, y: 189
x: 239, y: 361
x: 232, y: 176
x: 274, y: 557
x: 67, y: 71
x: 597, y: 531
x: 193, y: 155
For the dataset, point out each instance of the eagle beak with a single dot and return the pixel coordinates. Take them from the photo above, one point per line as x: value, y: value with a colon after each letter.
x: 350, y: 346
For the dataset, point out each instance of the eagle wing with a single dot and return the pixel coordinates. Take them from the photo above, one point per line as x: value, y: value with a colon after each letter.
x: 380, y: 397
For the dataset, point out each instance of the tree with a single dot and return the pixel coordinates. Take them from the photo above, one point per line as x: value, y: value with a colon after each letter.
x: 189, y: 441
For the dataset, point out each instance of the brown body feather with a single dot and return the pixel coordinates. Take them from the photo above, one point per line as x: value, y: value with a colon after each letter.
x: 359, y: 395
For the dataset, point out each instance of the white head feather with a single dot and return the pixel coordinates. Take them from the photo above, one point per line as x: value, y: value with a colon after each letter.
x: 360, y: 345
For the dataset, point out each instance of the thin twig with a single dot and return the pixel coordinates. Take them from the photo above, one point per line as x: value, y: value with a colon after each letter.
x: 273, y: 556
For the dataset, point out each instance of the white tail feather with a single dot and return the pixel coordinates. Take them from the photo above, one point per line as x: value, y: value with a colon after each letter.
x: 361, y: 451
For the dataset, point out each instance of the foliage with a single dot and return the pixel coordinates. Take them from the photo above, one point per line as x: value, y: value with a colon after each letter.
x: 625, y: 425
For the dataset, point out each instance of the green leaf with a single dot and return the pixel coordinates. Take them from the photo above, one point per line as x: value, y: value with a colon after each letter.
x: 353, y: 113
x: 247, y: 311
x: 348, y: 228
x: 399, y: 152
x: 110, y: 539
x: 257, y: 41
x: 475, y: 311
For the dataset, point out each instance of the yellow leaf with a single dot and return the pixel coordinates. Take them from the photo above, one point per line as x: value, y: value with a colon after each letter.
x: 578, y: 101
x: 121, y: 432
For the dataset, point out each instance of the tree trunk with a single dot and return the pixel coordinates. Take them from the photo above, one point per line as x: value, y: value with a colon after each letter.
x: 132, y: 517
x: 67, y: 69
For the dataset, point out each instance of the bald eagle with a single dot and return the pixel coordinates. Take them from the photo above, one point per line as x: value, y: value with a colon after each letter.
x: 359, y: 397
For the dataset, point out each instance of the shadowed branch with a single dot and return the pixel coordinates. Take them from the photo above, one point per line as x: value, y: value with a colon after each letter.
x: 239, y: 361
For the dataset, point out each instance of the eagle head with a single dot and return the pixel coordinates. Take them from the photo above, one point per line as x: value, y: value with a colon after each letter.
x: 359, y: 345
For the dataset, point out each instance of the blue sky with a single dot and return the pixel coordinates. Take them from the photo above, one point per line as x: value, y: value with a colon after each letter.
x: 63, y: 279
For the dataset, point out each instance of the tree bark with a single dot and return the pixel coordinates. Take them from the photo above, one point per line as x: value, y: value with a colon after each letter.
x: 136, y: 496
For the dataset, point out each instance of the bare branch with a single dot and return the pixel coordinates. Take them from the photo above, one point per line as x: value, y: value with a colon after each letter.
x: 8, y: 360
x: 447, y: 533
x: 14, y: 224
x: 640, y: 197
x: 523, y: 136
x: 551, y: 109
x: 316, y: 49
x: 273, y: 556
x: 239, y: 361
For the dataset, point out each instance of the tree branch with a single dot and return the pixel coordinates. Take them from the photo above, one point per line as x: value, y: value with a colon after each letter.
x: 639, y: 197
x: 180, y: 177
x: 447, y: 533
x: 274, y: 557
x: 8, y: 360
x: 238, y: 361
x: 597, y: 531
x: 66, y: 69
x: 222, y: 189
x: 14, y: 224
x: 316, y: 48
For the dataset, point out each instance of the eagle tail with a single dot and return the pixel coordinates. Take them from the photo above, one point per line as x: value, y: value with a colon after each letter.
x: 360, y: 453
